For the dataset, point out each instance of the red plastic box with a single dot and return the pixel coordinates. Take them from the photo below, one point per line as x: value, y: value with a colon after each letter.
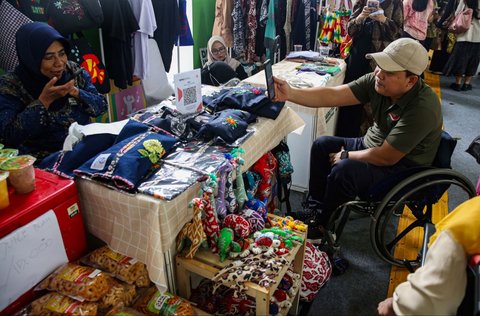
x: 51, y: 193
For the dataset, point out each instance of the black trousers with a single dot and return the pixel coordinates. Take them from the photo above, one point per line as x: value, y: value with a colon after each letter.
x: 344, y: 181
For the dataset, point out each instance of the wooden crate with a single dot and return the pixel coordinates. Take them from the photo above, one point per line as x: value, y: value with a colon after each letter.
x: 207, y: 265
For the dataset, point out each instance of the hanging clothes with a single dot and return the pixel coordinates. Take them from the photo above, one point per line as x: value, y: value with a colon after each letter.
x: 118, y: 25
x: 251, y: 31
x: 262, y: 18
x: 280, y: 18
x: 12, y: 20
x: 298, y: 26
x: 306, y: 12
x: 34, y: 10
x: 185, y: 36
x: 168, y: 28
x: 222, y: 26
x: 143, y: 11
x: 238, y: 21
x: 270, y: 32
x: 288, y: 25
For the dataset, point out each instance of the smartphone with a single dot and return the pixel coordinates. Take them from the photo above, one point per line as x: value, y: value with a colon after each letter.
x: 269, y: 78
x: 75, y: 74
x: 373, y: 4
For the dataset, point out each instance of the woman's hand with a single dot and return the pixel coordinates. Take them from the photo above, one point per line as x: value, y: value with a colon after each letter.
x: 363, y: 15
x: 282, y: 90
x: 378, y: 16
x: 50, y: 92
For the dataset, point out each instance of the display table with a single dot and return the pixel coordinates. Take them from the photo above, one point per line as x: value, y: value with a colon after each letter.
x: 320, y: 121
x: 145, y: 228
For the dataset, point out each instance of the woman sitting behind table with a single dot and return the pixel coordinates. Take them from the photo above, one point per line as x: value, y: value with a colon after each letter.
x: 38, y: 100
x: 220, y: 67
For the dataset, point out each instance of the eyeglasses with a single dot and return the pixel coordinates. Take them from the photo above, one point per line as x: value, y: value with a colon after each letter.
x: 218, y: 51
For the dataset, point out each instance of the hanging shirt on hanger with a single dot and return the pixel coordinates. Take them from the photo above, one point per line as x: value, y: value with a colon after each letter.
x: 238, y: 28
x: 168, y: 28
x: 143, y: 11
x: 118, y: 25
x: 222, y: 26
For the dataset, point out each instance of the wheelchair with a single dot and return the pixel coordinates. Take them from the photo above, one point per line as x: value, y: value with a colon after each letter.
x: 410, y: 194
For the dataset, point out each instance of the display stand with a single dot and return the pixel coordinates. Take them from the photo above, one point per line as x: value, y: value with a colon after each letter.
x: 207, y: 265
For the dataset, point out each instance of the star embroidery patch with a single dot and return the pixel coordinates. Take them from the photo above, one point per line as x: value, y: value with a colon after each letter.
x: 230, y: 121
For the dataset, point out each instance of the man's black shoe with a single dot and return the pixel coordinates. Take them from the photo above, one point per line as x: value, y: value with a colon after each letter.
x: 339, y: 264
x: 315, y: 234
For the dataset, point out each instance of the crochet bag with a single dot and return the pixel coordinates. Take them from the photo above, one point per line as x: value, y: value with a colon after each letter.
x: 317, y: 270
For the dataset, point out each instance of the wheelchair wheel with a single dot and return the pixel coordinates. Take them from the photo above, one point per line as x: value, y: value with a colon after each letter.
x: 413, y: 200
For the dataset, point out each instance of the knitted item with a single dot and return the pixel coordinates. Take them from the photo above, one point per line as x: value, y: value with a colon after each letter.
x: 193, y: 230
x: 255, y: 220
x: 220, y: 202
x: 261, y: 269
x: 316, y: 272
x: 210, y: 223
x: 240, y: 225
x: 240, y: 193
x: 230, y: 200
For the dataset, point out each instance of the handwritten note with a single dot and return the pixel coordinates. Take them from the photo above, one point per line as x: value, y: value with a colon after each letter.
x: 28, y: 255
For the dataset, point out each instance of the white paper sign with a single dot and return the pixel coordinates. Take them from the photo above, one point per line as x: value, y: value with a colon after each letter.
x: 28, y: 255
x: 188, y: 91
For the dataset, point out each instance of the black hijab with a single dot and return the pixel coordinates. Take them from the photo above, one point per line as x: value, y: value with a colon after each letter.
x: 32, y: 41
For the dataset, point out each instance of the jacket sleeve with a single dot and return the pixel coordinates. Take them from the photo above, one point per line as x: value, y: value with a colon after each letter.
x: 352, y: 27
x: 438, y: 287
x: 19, y: 122
x: 392, y: 29
x: 93, y: 102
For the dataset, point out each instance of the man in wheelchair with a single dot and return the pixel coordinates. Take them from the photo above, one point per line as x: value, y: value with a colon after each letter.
x: 406, y: 131
x: 439, y: 286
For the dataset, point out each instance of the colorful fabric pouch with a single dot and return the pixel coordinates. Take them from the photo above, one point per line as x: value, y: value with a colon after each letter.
x: 246, y: 98
x: 228, y: 125
x: 127, y: 162
x: 63, y: 163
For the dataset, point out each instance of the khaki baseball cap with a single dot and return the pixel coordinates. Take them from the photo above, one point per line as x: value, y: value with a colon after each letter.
x: 402, y: 54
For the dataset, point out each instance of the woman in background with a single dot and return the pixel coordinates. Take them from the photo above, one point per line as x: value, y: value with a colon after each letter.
x: 417, y: 14
x: 220, y: 67
x: 372, y: 29
x: 40, y: 99
x: 465, y: 58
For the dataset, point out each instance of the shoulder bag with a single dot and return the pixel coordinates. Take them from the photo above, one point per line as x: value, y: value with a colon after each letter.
x: 460, y: 22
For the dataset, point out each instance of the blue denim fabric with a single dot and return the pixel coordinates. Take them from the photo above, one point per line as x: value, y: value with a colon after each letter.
x: 122, y: 164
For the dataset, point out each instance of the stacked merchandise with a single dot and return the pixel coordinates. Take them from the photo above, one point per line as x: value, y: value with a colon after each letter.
x: 104, y: 282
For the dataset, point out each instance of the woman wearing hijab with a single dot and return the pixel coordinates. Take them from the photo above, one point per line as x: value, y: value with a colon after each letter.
x: 438, y: 287
x: 40, y: 99
x: 220, y: 67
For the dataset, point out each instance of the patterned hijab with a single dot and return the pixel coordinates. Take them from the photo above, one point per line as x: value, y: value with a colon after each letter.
x: 463, y: 224
x: 32, y: 41
x: 232, y: 62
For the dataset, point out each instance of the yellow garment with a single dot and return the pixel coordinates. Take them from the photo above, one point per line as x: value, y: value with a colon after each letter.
x: 463, y: 223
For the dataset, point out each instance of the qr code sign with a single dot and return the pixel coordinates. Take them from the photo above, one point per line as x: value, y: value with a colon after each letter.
x: 190, y: 95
